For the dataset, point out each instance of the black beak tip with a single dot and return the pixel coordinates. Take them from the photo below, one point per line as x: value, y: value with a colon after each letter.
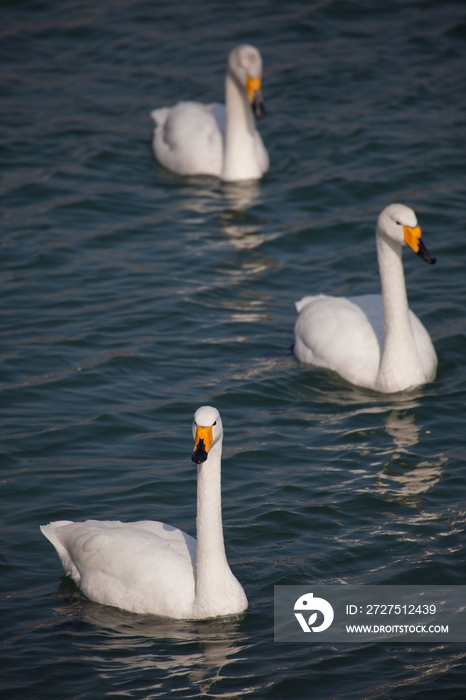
x: 427, y: 257
x: 258, y: 108
x: 425, y: 254
x: 199, y: 455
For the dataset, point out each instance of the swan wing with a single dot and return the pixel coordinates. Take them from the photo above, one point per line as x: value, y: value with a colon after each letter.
x: 372, y: 307
x: 188, y: 138
x: 218, y: 112
x: 144, y: 567
x: 336, y: 333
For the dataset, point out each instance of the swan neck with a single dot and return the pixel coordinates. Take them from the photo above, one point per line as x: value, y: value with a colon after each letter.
x: 211, y: 558
x: 240, y: 161
x: 399, y: 357
x: 392, y: 279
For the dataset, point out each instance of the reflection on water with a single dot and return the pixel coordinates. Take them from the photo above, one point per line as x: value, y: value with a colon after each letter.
x: 242, y: 195
x: 129, y: 643
x: 404, y: 480
x: 242, y: 230
x: 401, y: 426
x: 399, y: 421
x: 205, y: 195
x: 243, y: 237
x: 231, y: 201
x: 400, y: 477
x: 344, y: 394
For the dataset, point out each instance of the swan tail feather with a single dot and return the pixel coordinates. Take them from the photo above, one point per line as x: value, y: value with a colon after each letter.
x: 160, y: 115
x: 50, y: 532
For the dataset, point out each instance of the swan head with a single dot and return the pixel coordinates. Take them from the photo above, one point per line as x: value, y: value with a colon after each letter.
x: 207, y: 431
x: 399, y: 222
x: 245, y: 64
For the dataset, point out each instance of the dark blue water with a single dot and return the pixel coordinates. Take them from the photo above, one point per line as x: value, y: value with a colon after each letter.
x: 130, y: 296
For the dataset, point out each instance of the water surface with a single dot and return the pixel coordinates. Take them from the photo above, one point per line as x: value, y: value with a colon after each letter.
x: 130, y: 296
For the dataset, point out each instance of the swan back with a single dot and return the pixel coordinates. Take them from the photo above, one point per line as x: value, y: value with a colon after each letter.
x: 336, y: 333
x: 188, y: 138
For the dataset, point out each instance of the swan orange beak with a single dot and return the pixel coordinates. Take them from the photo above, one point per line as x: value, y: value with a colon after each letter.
x: 412, y: 236
x: 253, y: 90
x: 202, y: 443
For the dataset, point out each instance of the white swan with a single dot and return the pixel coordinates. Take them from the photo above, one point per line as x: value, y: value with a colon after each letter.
x: 150, y: 567
x: 196, y: 139
x: 374, y: 341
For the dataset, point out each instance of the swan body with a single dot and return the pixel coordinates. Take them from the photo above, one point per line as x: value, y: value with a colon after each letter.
x: 374, y: 341
x: 196, y: 139
x: 151, y: 567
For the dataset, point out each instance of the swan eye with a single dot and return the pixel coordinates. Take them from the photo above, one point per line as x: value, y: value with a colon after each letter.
x: 215, y: 423
x: 397, y: 223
